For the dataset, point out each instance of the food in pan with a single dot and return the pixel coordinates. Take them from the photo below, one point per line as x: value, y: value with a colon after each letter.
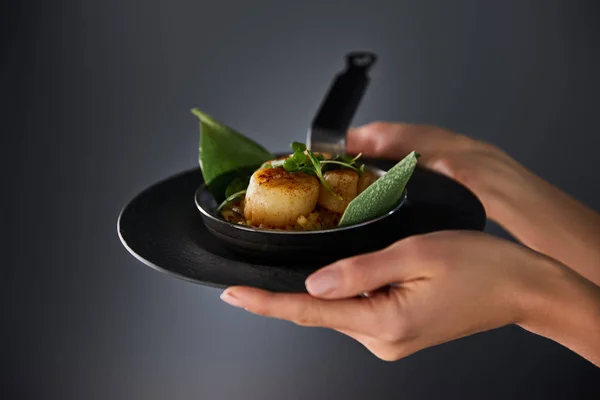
x: 302, y: 191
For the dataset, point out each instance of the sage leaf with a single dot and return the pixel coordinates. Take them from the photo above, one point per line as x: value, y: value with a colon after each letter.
x: 382, y: 195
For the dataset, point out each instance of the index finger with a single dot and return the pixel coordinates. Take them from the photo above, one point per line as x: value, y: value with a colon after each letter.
x: 396, y: 140
x: 355, y: 314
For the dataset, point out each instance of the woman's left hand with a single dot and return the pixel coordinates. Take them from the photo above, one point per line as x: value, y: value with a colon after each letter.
x: 441, y: 286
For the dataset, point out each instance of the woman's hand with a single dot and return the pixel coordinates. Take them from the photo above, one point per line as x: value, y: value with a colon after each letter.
x: 533, y: 211
x: 445, y: 285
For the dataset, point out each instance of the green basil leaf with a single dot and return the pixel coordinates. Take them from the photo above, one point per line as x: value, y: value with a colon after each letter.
x: 224, y: 151
x: 237, y: 185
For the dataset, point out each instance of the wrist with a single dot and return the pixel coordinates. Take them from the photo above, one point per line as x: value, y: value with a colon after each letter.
x: 540, y: 215
x: 564, y: 307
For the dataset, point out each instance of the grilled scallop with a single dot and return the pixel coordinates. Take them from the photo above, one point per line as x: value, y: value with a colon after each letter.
x: 276, y: 198
x: 365, y: 180
x: 344, y: 182
x: 326, y: 156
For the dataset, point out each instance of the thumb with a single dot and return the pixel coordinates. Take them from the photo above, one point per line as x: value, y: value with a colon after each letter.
x: 360, y: 274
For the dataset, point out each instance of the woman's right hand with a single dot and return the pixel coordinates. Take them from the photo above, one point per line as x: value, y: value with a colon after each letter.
x: 536, y: 213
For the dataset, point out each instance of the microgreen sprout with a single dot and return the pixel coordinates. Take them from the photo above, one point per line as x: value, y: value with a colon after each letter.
x: 304, y: 160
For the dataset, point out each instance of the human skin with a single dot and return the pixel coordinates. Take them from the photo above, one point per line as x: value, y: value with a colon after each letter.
x: 446, y: 285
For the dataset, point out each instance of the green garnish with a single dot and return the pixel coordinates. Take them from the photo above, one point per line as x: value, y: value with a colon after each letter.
x: 229, y: 199
x: 298, y: 147
x: 236, y: 186
x: 341, y: 163
x: 318, y: 171
x: 291, y: 165
x: 381, y: 196
x: 228, y: 158
x: 304, y: 160
x: 225, y: 153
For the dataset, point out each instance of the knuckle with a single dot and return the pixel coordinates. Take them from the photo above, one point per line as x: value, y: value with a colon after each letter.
x: 353, y: 271
x: 261, y: 309
x: 466, y: 175
x: 391, y: 353
x: 465, y: 157
x: 378, y: 125
x: 463, y: 141
x: 418, y: 247
x: 434, y: 251
x: 309, y: 316
x: 454, y: 165
x: 264, y: 308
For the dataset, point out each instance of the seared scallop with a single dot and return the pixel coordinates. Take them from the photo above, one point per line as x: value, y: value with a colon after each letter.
x: 344, y: 183
x: 326, y: 156
x: 276, y: 198
x: 365, y: 180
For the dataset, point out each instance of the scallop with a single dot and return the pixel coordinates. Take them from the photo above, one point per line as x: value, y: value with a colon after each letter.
x: 276, y: 198
x: 344, y: 182
x: 365, y: 180
x: 326, y: 156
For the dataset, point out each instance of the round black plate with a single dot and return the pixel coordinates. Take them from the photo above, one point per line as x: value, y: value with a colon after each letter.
x: 163, y: 229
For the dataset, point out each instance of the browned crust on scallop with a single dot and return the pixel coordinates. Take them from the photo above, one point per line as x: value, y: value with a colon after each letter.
x: 292, y: 181
x: 346, y: 177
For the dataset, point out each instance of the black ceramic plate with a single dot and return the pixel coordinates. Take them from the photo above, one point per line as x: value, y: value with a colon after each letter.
x: 163, y: 229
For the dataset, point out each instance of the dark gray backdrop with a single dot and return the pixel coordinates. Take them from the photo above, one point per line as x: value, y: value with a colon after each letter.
x: 95, y: 107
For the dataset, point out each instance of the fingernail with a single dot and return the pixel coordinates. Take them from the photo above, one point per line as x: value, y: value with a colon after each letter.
x: 323, y: 282
x: 230, y: 299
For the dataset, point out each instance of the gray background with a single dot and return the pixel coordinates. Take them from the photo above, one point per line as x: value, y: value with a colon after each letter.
x: 95, y: 107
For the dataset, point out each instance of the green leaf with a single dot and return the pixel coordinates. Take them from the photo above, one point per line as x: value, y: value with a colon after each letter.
x: 343, y: 164
x: 230, y: 198
x: 298, y: 147
x: 308, y: 170
x: 290, y: 165
x: 319, y: 173
x: 382, y: 196
x: 237, y: 185
x: 274, y: 163
x: 299, y: 157
x: 224, y: 151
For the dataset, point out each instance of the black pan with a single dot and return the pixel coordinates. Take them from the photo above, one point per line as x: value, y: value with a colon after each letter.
x: 300, y: 245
